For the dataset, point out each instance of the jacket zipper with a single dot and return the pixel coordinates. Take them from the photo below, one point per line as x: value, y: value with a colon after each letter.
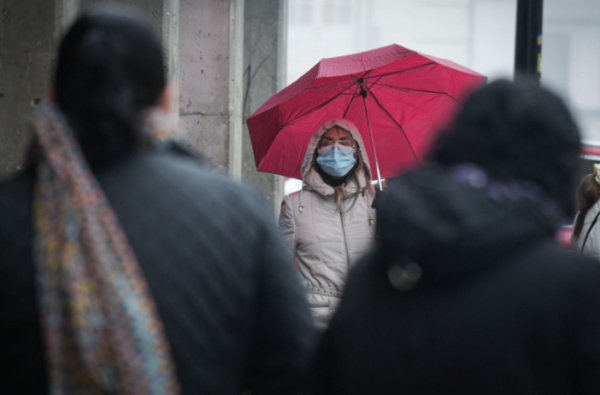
x: 345, y: 238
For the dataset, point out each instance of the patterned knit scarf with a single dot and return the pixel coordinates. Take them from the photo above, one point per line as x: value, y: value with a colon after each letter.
x: 102, y: 330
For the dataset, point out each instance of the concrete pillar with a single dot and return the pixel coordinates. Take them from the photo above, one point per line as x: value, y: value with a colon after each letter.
x: 265, y: 56
x: 210, y: 80
x: 65, y: 12
x: 153, y: 9
x: 29, y: 35
x: 28, y: 32
x: 225, y: 58
x: 170, y: 39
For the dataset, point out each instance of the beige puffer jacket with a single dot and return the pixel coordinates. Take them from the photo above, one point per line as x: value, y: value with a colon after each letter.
x: 327, y: 242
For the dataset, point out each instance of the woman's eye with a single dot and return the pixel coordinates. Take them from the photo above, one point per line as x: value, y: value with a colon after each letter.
x: 326, y: 143
x: 345, y: 143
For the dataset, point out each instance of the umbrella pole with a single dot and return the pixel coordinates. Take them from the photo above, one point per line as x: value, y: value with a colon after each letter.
x: 378, y: 173
x: 373, y: 146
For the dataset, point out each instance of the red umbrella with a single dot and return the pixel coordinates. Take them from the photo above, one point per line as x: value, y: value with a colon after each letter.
x: 398, y: 99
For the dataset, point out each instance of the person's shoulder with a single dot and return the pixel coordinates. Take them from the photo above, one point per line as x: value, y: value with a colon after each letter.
x: 572, y: 274
x: 194, y: 175
x: 181, y: 182
x: 183, y: 169
x: 559, y: 254
x: 565, y: 265
x: 175, y: 163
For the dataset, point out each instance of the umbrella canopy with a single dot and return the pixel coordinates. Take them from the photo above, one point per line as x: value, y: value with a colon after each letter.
x: 398, y: 99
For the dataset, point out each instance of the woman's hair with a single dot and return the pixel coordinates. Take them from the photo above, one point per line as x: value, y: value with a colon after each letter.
x: 588, y: 194
x: 352, y: 175
x: 110, y: 69
x: 516, y: 131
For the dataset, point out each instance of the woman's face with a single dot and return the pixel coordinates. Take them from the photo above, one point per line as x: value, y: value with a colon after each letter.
x: 336, y: 135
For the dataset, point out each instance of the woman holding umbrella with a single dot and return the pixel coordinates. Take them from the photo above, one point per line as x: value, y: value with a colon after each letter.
x: 399, y: 98
x: 330, y: 223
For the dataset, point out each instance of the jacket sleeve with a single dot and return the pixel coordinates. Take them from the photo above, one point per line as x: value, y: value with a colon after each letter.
x: 285, y: 339
x: 287, y: 224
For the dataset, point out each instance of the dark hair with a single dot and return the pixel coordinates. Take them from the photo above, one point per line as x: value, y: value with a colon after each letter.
x: 588, y: 194
x: 516, y: 131
x: 110, y: 69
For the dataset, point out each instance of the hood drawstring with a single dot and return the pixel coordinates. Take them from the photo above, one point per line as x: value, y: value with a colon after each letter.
x: 301, y: 208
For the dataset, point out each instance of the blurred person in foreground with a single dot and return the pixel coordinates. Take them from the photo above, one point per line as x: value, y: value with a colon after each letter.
x: 586, y: 230
x: 127, y: 269
x: 329, y: 223
x: 467, y: 291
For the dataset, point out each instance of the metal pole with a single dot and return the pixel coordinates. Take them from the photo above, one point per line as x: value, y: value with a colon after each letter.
x: 528, y: 45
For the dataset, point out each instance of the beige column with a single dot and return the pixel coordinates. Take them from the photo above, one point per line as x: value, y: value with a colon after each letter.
x: 210, y: 76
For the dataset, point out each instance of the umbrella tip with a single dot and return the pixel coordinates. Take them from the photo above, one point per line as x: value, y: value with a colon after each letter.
x: 363, y: 91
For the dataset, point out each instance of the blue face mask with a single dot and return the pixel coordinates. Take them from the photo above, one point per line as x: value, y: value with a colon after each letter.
x: 336, y: 160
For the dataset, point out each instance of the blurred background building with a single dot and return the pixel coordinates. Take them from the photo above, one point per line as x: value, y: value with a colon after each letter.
x: 479, y: 34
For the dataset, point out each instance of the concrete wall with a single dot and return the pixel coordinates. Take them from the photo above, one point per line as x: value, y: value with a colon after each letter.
x: 27, y: 47
x: 208, y: 45
x: 153, y: 9
x: 204, y: 76
x: 265, y: 41
x: 29, y: 35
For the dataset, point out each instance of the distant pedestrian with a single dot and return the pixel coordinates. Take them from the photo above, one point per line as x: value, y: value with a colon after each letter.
x: 467, y: 291
x: 586, y: 229
x: 128, y: 269
x: 330, y: 223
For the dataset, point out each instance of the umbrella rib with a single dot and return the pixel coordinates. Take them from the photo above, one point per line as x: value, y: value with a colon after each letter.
x: 315, y: 108
x: 363, y: 77
x: 405, y: 70
x: 410, y: 90
x: 366, y: 78
x: 348, y: 107
x: 376, y: 81
x: 366, y: 75
x: 318, y: 88
x: 397, y: 124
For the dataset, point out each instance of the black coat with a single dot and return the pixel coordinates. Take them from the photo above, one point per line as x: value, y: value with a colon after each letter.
x: 233, y: 310
x: 500, y: 307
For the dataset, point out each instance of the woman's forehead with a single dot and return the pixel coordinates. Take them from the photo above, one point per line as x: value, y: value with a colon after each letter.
x: 338, y: 132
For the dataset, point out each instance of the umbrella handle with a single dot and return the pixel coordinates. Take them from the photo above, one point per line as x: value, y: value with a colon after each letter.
x: 372, y: 144
x: 378, y: 174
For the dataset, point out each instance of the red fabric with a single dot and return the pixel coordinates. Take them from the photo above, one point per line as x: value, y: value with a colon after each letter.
x: 409, y: 98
